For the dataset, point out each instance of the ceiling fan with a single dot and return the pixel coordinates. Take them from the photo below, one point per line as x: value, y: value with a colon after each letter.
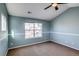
x: 55, y: 5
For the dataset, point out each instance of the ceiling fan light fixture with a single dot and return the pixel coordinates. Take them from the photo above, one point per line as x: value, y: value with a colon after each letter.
x: 56, y: 8
x: 54, y: 4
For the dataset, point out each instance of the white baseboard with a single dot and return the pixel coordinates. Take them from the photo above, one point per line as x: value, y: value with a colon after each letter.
x: 65, y: 45
x: 27, y: 44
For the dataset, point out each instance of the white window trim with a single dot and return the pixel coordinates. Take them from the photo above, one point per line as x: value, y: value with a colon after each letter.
x: 34, y: 32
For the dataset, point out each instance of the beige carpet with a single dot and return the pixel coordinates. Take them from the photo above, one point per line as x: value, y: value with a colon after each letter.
x: 44, y: 49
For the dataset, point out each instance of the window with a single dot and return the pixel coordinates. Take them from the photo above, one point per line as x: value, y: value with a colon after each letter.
x: 33, y: 30
x: 3, y: 23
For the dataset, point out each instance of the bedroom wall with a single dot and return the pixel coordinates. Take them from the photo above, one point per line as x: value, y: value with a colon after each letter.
x: 3, y: 35
x: 65, y: 28
x: 16, y: 24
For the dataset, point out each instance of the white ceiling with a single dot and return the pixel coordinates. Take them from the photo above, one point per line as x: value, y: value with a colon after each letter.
x: 37, y: 9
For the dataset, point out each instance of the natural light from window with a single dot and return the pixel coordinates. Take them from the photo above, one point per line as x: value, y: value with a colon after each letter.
x: 3, y: 22
x: 33, y: 30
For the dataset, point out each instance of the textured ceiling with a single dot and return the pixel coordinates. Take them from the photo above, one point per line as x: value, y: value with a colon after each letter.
x: 36, y: 9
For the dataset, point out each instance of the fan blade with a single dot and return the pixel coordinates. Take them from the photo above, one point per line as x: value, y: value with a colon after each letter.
x: 48, y: 7
x: 61, y: 3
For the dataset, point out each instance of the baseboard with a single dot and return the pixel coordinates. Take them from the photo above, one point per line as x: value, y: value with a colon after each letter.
x: 65, y: 45
x: 41, y: 42
x: 27, y: 44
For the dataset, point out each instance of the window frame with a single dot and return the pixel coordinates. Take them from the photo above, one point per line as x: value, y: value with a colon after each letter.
x: 34, y: 29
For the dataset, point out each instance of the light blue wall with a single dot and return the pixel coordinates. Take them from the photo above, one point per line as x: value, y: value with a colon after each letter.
x: 17, y: 25
x: 65, y: 28
x: 3, y: 35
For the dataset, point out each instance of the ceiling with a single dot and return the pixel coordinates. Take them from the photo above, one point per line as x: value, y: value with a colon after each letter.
x: 37, y: 10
